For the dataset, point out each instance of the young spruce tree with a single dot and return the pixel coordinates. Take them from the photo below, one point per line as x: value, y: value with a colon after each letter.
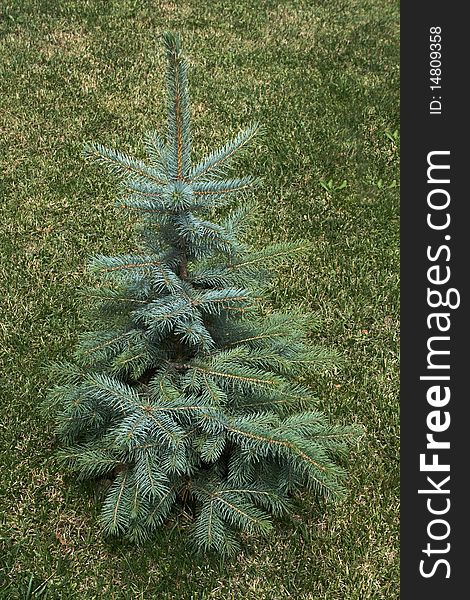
x: 188, y: 394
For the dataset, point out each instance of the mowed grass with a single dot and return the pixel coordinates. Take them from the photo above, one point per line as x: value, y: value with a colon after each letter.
x: 322, y: 78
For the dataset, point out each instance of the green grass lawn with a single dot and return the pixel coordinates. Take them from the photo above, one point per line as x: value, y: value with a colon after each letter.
x: 322, y: 78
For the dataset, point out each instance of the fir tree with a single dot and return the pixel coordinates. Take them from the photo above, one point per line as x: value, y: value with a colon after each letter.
x: 189, y: 392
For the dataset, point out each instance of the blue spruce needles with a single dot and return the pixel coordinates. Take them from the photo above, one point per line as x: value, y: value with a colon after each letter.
x: 188, y: 393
